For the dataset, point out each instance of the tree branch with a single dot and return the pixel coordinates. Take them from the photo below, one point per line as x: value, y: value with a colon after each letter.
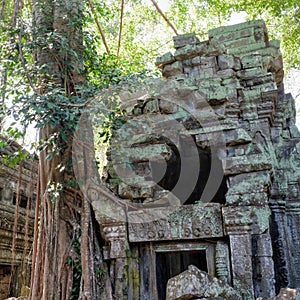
x: 121, y: 25
x: 164, y: 16
x: 98, y: 26
x: 18, y: 5
x: 3, y: 2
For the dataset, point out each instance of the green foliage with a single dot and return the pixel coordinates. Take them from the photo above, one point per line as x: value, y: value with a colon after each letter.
x: 206, y: 15
x: 12, y: 159
x: 112, y: 121
x: 33, y: 93
x: 128, y: 253
x: 10, y: 152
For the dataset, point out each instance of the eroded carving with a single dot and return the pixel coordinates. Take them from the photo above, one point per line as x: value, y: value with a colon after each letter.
x: 181, y: 223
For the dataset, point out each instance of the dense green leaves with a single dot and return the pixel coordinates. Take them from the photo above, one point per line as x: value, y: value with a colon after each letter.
x: 145, y: 35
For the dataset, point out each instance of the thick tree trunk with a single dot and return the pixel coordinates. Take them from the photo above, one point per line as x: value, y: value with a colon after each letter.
x: 63, y: 213
x: 96, y: 283
x: 56, y: 229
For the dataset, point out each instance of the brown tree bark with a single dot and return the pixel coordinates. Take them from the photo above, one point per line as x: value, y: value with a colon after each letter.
x: 96, y: 284
x: 64, y: 213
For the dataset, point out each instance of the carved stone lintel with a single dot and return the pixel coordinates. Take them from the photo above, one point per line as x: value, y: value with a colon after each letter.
x: 174, y: 223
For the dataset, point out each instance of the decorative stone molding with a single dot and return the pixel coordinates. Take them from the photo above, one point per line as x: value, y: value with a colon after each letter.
x: 242, y: 219
x: 116, y: 235
x: 175, y: 223
x: 222, y: 262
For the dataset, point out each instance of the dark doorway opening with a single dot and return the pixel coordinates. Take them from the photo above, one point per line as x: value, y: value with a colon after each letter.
x: 170, y: 264
x: 5, y: 282
x: 207, y: 172
x: 22, y: 200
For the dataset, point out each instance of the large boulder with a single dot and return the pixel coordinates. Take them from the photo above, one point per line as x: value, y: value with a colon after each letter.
x: 196, y: 284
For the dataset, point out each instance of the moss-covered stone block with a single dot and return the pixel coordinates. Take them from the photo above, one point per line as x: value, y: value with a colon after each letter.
x: 245, y: 164
x: 250, y: 73
x: 237, y: 136
x: 190, y: 51
x: 247, y: 48
x: 236, y: 28
x: 151, y: 106
x: 173, y: 69
x: 251, y: 61
x: 145, y: 153
x: 185, y: 39
x: 165, y: 59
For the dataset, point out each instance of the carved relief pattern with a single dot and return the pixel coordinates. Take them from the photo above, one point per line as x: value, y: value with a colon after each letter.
x: 242, y: 263
x: 187, y: 222
x: 222, y: 259
x: 116, y: 236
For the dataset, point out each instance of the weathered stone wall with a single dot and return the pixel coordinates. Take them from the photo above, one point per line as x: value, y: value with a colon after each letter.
x: 203, y: 169
x: 218, y: 129
x: 16, y: 223
x: 244, y: 83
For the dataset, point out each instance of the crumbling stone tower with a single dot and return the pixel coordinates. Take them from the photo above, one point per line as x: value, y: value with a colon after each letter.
x: 207, y: 163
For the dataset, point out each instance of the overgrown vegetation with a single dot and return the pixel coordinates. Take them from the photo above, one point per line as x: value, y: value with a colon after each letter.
x: 58, y: 56
x: 131, y: 49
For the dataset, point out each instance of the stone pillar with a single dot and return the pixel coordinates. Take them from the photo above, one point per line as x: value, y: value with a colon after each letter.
x: 293, y: 233
x: 251, y: 249
x: 264, y: 280
x: 223, y: 262
x: 279, y: 241
x: 241, y: 259
x: 237, y: 226
x: 116, y: 236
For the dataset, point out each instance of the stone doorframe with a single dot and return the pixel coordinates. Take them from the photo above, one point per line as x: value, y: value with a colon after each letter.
x: 148, y: 286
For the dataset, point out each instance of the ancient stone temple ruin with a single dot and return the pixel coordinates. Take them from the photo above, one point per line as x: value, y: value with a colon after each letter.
x: 17, y: 201
x: 205, y: 170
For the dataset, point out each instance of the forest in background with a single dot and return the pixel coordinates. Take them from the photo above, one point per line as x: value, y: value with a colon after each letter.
x: 57, y: 55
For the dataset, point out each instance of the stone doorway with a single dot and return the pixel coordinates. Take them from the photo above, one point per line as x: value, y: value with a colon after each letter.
x: 162, y: 261
x: 170, y: 264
